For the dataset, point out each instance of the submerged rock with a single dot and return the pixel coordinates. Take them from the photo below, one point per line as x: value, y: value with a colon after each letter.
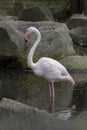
x: 15, y: 115
x: 79, y: 122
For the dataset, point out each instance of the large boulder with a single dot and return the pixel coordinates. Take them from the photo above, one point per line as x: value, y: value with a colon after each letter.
x: 10, y: 39
x: 76, y: 62
x: 55, y: 42
x: 55, y: 39
x: 17, y: 116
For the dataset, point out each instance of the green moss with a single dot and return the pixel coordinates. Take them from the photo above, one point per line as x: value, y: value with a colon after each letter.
x: 35, y: 80
x: 23, y: 58
x: 58, y: 56
x: 23, y: 61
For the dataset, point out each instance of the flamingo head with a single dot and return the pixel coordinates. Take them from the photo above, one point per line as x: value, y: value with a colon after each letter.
x: 28, y: 32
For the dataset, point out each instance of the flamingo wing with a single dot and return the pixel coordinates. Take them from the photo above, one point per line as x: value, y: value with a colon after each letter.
x: 50, y: 69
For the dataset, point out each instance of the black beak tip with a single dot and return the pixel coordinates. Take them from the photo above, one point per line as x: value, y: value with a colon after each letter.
x: 25, y: 40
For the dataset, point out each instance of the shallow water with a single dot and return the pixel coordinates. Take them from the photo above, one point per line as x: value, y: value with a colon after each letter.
x: 25, y: 87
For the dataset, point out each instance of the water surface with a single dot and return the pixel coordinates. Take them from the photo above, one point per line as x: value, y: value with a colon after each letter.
x: 25, y: 87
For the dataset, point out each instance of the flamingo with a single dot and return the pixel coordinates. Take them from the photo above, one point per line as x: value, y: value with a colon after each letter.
x: 46, y: 67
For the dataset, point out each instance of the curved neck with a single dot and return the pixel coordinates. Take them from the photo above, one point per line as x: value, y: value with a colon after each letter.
x: 32, y: 50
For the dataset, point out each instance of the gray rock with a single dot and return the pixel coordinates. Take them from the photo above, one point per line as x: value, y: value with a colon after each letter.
x: 15, y: 115
x: 79, y: 36
x: 10, y: 39
x: 55, y: 39
x: 77, y: 20
x: 82, y: 115
x: 77, y: 65
x: 79, y: 122
x: 75, y: 62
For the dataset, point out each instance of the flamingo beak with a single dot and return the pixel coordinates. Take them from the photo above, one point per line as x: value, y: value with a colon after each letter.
x: 25, y: 40
x: 26, y: 35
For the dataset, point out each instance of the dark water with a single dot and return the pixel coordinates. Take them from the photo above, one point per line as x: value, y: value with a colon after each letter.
x: 25, y: 87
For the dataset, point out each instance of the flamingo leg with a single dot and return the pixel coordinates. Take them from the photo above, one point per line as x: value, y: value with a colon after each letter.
x: 52, y: 96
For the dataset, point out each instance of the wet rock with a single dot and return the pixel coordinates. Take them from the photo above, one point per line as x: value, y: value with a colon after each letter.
x: 79, y: 122
x: 15, y: 115
x: 79, y: 36
x: 82, y: 116
x: 65, y: 114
